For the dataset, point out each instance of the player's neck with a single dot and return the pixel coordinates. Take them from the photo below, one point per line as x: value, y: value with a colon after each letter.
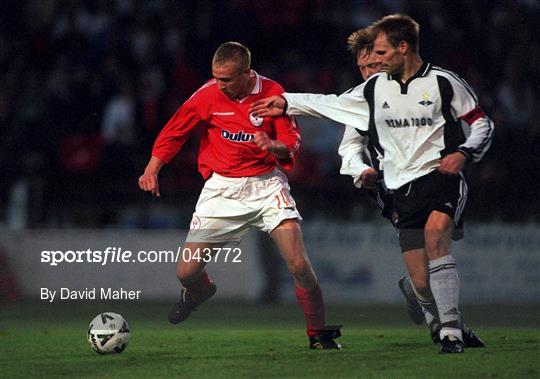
x: 249, y: 87
x: 411, y: 67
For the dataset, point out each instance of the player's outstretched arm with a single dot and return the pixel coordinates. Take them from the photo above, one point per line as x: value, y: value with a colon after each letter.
x: 265, y: 143
x: 149, y: 179
x: 272, y: 106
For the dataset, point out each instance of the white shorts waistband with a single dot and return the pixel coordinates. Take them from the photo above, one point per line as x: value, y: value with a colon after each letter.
x: 245, y: 179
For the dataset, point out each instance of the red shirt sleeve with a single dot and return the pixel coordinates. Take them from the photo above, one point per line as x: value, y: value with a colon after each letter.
x: 287, y: 132
x: 175, y: 133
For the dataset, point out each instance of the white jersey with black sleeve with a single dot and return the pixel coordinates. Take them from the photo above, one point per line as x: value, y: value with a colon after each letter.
x: 411, y: 125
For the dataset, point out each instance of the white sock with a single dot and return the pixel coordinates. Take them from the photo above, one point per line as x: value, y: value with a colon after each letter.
x: 444, y: 282
x: 428, y: 316
x: 427, y: 303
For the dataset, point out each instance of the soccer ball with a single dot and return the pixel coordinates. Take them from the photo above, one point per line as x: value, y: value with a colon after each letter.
x: 108, y: 333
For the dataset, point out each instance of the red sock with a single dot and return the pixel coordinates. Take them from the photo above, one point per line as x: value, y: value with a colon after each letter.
x: 198, y: 287
x: 311, y: 302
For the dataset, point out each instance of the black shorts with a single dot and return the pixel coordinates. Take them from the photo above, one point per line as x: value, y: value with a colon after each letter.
x: 415, y: 201
x: 385, y: 200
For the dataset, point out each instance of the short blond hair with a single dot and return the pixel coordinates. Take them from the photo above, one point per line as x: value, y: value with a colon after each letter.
x: 232, y: 51
x: 360, y: 40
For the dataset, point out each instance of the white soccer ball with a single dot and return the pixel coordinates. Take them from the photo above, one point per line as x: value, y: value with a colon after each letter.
x: 108, y: 333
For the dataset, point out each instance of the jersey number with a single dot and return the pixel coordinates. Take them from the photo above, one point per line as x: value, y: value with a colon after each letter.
x: 282, y: 199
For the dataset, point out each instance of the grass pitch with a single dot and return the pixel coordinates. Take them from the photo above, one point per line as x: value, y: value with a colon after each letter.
x: 233, y: 341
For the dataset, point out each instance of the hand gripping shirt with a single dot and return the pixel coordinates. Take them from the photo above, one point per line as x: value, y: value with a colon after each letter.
x: 226, y: 145
x: 411, y: 125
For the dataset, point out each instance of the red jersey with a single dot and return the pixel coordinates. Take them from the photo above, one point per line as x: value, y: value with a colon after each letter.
x: 226, y: 147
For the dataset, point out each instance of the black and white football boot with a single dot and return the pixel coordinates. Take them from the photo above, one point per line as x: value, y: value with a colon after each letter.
x: 324, y: 340
x: 183, y: 308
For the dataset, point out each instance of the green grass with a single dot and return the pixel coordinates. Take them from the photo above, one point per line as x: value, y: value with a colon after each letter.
x: 231, y: 341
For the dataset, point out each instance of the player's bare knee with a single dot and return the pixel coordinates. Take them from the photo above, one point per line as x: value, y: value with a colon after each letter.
x: 187, y: 271
x: 301, y: 270
x: 298, y: 266
x: 185, y: 275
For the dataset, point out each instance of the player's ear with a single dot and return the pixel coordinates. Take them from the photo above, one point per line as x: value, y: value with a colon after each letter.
x: 404, y: 47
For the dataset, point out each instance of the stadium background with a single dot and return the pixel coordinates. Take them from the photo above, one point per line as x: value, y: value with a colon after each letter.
x: 85, y: 86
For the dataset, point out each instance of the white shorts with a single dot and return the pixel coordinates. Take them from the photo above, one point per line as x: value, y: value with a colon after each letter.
x: 228, y: 207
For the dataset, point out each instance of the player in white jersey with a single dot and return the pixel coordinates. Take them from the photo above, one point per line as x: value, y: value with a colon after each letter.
x: 413, y: 113
x: 355, y: 146
x: 359, y: 161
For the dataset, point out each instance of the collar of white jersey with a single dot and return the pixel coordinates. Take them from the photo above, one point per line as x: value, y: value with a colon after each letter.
x: 422, y: 71
x: 257, y: 88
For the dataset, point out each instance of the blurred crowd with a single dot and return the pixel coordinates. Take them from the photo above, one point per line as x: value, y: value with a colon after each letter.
x: 85, y: 86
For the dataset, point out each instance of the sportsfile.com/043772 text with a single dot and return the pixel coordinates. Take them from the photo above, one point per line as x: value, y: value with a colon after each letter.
x: 118, y: 255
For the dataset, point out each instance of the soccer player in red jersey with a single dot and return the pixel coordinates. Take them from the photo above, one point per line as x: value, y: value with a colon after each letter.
x: 240, y: 156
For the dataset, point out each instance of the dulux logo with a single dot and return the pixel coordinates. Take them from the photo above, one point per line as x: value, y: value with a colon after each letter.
x: 237, y: 137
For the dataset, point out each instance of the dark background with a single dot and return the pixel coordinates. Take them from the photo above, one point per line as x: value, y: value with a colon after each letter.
x: 85, y: 87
